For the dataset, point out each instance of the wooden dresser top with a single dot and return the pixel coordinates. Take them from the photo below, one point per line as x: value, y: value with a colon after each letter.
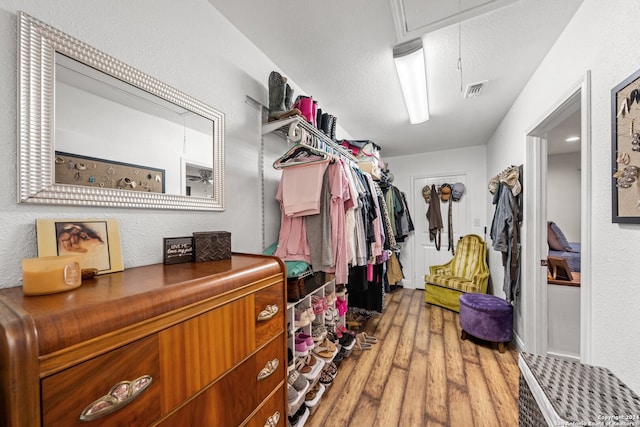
x: 113, y: 301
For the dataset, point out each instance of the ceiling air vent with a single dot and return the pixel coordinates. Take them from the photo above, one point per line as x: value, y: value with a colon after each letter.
x: 475, y: 89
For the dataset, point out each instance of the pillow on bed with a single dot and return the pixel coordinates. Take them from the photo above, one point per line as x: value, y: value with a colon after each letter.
x: 556, y: 238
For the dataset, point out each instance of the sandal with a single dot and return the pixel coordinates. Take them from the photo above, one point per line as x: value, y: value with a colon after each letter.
x: 325, y: 378
x: 302, y: 367
x: 331, y: 370
x: 369, y: 338
x: 361, y: 344
x: 324, y: 351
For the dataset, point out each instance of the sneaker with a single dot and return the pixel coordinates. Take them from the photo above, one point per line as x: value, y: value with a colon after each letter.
x: 292, y: 394
x: 301, y: 347
x: 308, y: 339
x: 301, y: 318
x: 297, y: 381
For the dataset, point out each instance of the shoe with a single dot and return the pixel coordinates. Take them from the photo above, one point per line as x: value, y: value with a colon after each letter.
x: 334, y: 125
x: 292, y: 394
x: 318, y: 332
x: 301, y: 366
x: 277, y: 96
x: 310, y: 360
x: 298, y: 382
x: 301, y: 347
x: 325, y: 378
x: 308, y: 339
x: 316, y: 304
x: 301, y: 318
x: 361, y: 343
x: 341, y: 305
x: 368, y: 338
x: 289, y: 360
x: 305, y: 105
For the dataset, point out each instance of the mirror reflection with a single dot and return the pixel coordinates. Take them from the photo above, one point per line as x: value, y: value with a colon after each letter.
x: 145, y: 151
x: 97, y: 132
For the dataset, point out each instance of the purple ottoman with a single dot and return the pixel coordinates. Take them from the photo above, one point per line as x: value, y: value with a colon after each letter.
x: 486, y: 317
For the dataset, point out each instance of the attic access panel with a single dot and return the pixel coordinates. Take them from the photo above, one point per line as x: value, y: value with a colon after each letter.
x: 422, y: 16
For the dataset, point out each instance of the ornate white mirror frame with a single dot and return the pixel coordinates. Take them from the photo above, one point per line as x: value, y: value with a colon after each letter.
x: 38, y: 44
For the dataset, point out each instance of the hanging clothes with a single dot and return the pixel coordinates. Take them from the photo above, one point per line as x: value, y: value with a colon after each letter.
x: 292, y: 239
x: 434, y: 217
x: 505, y: 227
x: 318, y: 228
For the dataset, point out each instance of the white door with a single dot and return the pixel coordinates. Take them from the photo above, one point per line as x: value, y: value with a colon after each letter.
x: 425, y: 252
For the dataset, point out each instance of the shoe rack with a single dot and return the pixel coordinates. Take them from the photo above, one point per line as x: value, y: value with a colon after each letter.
x: 326, y: 319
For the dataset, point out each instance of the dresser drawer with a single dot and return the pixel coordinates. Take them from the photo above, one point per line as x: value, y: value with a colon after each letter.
x: 231, y: 399
x: 270, y: 309
x: 66, y: 394
x: 273, y: 413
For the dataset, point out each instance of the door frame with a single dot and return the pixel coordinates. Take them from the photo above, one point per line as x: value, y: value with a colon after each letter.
x: 535, y: 302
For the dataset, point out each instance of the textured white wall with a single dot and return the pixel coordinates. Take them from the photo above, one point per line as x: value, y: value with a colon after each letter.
x: 594, y: 40
x: 563, y: 193
x: 185, y: 44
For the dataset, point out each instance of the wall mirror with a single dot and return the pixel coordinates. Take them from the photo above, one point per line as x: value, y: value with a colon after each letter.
x: 94, y: 131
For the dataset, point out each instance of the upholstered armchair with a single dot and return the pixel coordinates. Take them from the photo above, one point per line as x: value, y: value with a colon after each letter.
x: 466, y: 272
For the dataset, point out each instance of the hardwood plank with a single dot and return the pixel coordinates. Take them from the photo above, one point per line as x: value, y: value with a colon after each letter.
x: 364, y: 415
x: 406, y: 342
x: 460, y: 407
x: 384, y: 361
x: 436, y: 320
x: 503, y: 400
x: 453, y: 353
x: 390, y: 407
x: 403, y: 309
x: 509, y: 365
x: 481, y: 404
x: 437, y: 381
x: 415, y: 399
x: 423, y: 331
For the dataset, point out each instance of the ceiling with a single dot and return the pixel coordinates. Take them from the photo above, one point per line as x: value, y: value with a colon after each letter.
x: 340, y: 52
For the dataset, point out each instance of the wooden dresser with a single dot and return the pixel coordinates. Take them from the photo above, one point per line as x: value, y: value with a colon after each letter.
x: 196, y: 344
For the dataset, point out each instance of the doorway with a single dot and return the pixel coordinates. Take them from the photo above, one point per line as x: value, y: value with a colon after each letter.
x: 543, y: 317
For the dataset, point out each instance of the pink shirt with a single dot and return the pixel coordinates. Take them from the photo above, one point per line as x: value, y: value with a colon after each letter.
x: 301, y: 187
x: 292, y: 241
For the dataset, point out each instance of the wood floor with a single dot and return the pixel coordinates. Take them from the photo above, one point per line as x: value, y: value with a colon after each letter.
x: 421, y: 374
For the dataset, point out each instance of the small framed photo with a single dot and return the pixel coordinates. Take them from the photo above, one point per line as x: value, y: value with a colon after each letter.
x: 178, y: 250
x: 97, y: 240
x: 559, y: 268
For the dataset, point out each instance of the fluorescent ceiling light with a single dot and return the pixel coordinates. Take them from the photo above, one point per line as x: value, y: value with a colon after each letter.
x: 410, y: 65
x: 573, y: 139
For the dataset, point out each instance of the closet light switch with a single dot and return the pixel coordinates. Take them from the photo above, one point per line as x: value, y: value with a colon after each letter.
x: 476, y: 222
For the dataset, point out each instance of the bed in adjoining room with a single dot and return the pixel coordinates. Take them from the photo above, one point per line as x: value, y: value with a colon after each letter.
x: 559, y: 246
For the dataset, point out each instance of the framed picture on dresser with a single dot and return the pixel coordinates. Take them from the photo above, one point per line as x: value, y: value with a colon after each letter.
x: 97, y: 240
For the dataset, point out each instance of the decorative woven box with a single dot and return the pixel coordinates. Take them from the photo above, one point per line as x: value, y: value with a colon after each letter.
x: 211, y: 245
x: 556, y: 392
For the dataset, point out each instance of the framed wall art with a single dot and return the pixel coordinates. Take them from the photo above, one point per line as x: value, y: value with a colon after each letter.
x: 625, y: 150
x: 97, y: 240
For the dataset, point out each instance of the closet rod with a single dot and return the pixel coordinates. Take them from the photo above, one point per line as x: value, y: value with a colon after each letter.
x: 337, y: 148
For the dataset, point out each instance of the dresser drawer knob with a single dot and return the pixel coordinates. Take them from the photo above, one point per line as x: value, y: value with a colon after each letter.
x: 120, y: 394
x: 268, y: 369
x: 269, y: 311
x: 273, y: 420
